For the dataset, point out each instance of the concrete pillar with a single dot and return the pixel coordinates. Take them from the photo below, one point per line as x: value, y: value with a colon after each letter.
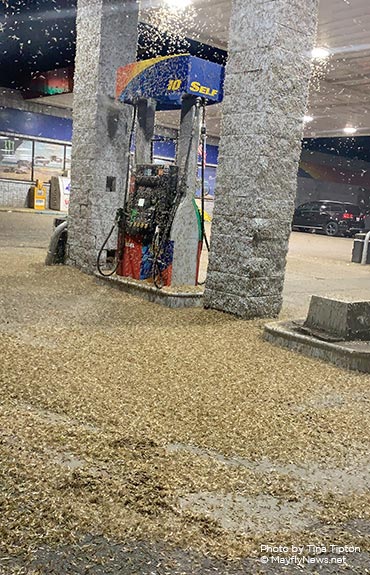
x: 184, y: 230
x: 266, y: 88
x: 106, y: 39
x: 144, y: 130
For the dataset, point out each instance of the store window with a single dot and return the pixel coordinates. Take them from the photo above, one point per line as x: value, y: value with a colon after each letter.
x: 163, y: 150
x: 15, y: 158
x: 48, y: 160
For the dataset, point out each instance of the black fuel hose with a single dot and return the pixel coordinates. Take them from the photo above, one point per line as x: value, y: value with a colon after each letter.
x: 203, y: 178
x: 98, y: 260
x: 120, y: 214
x: 203, y: 151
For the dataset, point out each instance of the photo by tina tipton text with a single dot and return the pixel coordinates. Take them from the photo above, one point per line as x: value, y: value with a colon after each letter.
x: 307, y: 554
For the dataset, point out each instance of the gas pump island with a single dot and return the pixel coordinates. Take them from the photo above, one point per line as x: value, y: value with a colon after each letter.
x: 160, y: 230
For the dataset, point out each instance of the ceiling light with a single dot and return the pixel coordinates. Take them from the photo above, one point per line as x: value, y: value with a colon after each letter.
x: 320, y: 53
x: 349, y: 130
x: 307, y: 119
x: 177, y: 4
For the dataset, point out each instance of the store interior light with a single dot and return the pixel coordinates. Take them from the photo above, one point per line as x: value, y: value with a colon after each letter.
x: 320, y: 53
x: 177, y: 4
x: 349, y: 130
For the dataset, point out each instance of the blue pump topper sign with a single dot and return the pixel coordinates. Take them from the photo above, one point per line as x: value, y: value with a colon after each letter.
x: 167, y: 79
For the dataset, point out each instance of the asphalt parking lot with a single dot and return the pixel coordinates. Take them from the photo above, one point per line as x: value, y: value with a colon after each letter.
x: 321, y: 265
x: 25, y: 229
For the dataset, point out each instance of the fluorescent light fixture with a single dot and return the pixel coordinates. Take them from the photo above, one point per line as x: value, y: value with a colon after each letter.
x: 307, y: 119
x: 177, y: 4
x: 349, y: 130
x: 320, y: 53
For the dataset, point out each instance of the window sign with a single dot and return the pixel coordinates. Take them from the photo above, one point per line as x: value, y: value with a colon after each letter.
x: 15, y: 158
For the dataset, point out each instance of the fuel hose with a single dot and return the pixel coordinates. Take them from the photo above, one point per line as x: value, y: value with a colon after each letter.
x: 120, y: 218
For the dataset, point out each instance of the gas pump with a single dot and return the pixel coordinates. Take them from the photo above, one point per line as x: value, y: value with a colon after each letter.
x: 145, y: 247
x: 160, y: 232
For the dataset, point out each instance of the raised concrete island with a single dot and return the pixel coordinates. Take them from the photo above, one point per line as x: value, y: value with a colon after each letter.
x: 335, y: 330
x: 341, y: 320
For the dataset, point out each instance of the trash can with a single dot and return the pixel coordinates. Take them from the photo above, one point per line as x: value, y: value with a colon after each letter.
x: 358, y: 248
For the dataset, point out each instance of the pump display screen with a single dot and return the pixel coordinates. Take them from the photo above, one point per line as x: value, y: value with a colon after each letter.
x: 148, y: 171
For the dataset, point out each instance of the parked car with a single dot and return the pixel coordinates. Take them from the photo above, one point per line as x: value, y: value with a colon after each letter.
x: 41, y: 161
x: 334, y: 218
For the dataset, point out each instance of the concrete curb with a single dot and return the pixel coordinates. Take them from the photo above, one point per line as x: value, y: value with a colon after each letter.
x: 31, y: 211
x: 171, y: 299
x: 353, y: 355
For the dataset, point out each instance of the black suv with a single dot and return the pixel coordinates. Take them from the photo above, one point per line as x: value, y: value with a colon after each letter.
x: 334, y: 218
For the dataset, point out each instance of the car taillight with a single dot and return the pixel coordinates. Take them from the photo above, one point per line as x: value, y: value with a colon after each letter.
x: 348, y: 216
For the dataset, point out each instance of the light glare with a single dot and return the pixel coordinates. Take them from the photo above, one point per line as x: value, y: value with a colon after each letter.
x: 177, y: 4
x: 349, y: 130
x: 320, y: 53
